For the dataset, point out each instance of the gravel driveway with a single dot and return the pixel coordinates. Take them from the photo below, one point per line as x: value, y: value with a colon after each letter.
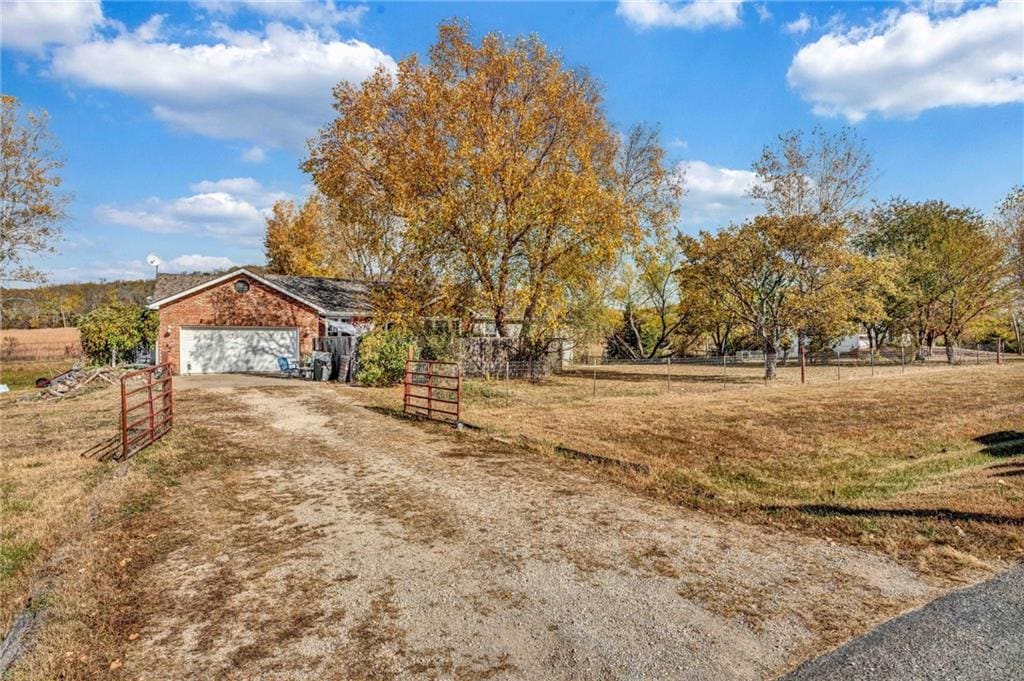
x: 376, y: 548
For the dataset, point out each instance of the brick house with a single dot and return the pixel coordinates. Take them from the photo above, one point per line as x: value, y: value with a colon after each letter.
x: 241, y: 321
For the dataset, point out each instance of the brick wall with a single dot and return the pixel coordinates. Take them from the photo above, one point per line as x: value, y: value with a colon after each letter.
x: 221, y: 305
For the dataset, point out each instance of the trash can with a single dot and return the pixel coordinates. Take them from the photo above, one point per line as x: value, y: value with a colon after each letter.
x: 322, y: 366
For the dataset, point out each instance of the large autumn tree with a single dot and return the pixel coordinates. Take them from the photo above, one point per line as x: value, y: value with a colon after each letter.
x: 820, y: 173
x: 497, y: 169
x: 779, y: 276
x: 951, y: 268
x: 296, y: 241
x: 31, y: 204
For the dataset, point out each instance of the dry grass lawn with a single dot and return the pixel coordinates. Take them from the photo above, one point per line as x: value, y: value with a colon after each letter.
x: 74, y: 532
x: 927, y: 465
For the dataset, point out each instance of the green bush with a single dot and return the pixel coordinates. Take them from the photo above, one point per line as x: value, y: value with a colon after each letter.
x: 382, y: 357
x: 439, y: 346
x: 117, y: 329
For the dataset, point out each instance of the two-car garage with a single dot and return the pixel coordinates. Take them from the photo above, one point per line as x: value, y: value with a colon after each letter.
x: 218, y: 350
x: 244, y: 321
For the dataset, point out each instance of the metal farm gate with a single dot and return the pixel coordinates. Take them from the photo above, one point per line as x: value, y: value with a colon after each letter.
x: 432, y: 389
x: 147, y: 407
x: 147, y: 413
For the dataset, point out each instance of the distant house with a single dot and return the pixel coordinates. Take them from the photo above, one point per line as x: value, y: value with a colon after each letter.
x: 241, y: 321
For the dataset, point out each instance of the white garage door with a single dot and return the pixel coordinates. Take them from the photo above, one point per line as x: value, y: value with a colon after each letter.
x: 221, y: 350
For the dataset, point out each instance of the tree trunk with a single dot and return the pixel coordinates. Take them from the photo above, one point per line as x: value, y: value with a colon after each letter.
x: 499, y: 323
x: 950, y: 350
x: 1015, y: 322
x: 771, y: 359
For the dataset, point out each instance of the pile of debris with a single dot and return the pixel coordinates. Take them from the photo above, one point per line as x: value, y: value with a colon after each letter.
x: 74, y: 380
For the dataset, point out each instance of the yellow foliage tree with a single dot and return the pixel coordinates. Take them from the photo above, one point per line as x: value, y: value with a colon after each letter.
x: 295, y: 242
x: 31, y: 207
x: 779, y: 276
x: 494, y: 171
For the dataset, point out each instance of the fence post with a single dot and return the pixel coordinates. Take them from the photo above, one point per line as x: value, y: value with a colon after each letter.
x: 724, y: 355
x: 595, y: 378
x: 999, y: 351
x: 838, y: 377
x: 668, y: 369
x: 872, y: 361
x: 903, y: 359
x: 152, y: 415
x: 508, y: 390
x: 124, y: 421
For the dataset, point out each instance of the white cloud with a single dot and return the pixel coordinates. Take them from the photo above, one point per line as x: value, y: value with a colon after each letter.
x: 231, y: 209
x: 233, y: 185
x: 716, y: 196
x: 198, y: 263
x: 798, y: 26
x: 678, y: 143
x: 254, y: 154
x: 695, y: 14
x: 323, y: 14
x: 911, y: 62
x: 113, y: 269
x: 272, y: 88
x: 31, y: 25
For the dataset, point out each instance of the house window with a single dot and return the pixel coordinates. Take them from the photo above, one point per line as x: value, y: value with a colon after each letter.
x: 241, y: 286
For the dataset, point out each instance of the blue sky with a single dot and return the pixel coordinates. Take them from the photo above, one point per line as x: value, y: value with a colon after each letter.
x: 182, y: 122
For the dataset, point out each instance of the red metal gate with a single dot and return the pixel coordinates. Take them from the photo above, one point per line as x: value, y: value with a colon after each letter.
x: 433, y: 389
x: 147, y: 407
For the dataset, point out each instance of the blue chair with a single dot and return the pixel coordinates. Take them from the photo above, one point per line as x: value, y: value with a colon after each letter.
x: 287, y: 368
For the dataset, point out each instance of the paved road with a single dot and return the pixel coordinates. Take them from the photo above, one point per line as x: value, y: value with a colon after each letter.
x: 975, y: 634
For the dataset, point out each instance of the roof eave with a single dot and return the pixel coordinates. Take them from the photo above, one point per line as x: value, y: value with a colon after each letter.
x: 156, y: 304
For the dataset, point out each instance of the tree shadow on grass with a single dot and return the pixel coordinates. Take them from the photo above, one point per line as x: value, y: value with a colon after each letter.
x: 1002, y: 443
x: 942, y: 514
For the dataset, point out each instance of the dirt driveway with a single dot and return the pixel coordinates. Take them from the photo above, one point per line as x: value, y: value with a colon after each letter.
x: 374, y: 548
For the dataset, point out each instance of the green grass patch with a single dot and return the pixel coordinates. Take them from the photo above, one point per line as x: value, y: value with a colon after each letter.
x: 23, y: 375
x: 93, y: 477
x: 14, y: 555
x: 137, y: 504
x: 9, y: 504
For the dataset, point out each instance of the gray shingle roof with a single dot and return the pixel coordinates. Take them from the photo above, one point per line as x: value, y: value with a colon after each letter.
x: 169, y: 284
x: 332, y: 295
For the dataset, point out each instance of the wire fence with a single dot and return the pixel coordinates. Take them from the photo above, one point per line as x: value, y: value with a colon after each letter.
x: 533, y: 370
x: 602, y: 377
x: 749, y: 367
x: 15, y: 350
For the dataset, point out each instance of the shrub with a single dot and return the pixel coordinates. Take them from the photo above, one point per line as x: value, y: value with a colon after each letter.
x: 382, y: 357
x: 439, y: 345
x: 114, y: 330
